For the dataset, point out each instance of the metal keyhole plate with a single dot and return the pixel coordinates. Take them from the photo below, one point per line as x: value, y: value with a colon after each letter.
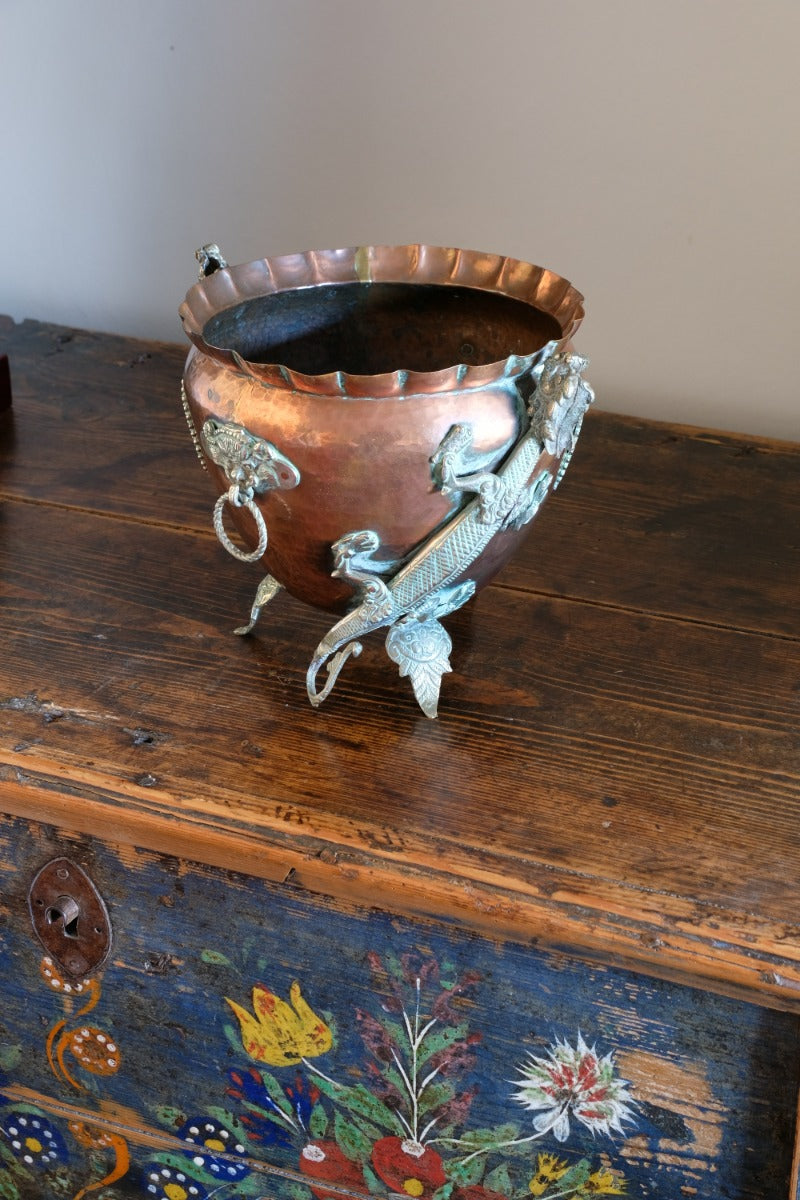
x: 69, y: 917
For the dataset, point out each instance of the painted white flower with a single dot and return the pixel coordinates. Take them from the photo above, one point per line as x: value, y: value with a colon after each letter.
x: 573, y: 1082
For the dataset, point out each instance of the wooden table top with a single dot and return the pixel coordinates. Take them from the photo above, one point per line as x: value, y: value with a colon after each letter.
x: 616, y: 765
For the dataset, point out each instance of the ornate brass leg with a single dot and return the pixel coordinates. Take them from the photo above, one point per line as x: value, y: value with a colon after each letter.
x: 266, y: 591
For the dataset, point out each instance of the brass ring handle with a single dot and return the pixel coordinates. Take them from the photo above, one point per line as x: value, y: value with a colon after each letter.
x: 239, y: 499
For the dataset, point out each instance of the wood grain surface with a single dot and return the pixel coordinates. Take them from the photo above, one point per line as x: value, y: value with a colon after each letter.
x: 616, y: 765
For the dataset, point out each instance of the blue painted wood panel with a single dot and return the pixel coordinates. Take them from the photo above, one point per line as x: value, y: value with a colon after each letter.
x: 247, y: 1039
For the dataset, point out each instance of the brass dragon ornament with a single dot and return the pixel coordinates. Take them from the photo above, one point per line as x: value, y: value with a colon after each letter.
x: 411, y: 597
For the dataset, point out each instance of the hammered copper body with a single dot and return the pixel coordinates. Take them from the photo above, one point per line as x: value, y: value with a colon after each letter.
x: 355, y: 364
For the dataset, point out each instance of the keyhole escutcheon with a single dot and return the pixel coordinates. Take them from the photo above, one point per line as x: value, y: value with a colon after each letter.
x: 69, y: 917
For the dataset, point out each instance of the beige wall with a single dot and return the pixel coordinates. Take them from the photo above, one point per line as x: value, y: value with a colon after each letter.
x: 647, y: 149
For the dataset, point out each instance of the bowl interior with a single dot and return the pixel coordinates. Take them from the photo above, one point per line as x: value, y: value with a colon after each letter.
x: 372, y: 328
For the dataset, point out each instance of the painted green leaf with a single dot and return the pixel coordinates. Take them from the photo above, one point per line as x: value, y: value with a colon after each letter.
x: 498, y: 1135
x: 441, y: 1039
x: 336, y: 1091
x: 367, y: 1128
x: 169, y: 1115
x: 398, y: 1034
x: 61, y: 1185
x: 268, y: 1115
x: 434, y: 1096
x: 234, y: 1038
x: 318, y: 1121
x: 359, y: 1100
x: 277, y: 1093
x: 9, y: 1161
x: 363, y: 1102
x: 253, y: 1185
x: 8, y: 1188
x: 247, y: 944
x: 499, y: 1180
x: 330, y: 1021
x: 575, y: 1177
x: 521, y: 1151
x: 296, y: 1191
x: 350, y: 1140
x: 10, y: 1056
x: 374, y: 1185
x: 216, y: 958
x: 393, y: 966
x: 393, y: 1076
x: 227, y: 1119
x: 465, y: 1174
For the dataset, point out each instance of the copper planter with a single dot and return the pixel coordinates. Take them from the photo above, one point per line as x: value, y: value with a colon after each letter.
x: 381, y: 424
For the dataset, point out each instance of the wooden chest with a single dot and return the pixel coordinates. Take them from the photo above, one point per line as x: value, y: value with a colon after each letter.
x: 548, y: 945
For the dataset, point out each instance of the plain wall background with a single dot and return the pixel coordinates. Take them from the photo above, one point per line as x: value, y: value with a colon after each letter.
x: 646, y: 149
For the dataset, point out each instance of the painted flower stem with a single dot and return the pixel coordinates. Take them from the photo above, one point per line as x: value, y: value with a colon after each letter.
x: 341, y: 1087
x: 427, y: 1130
x: 416, y: 1036
x: 414, y: 1057
x: 277, y: 1111
x: 570, y: 1191
x: 309, y: 1066
x: 533, y: 1137
x: 51, y: 1037
x: 222, y: 1187
x: 122, y: 1162
x: 411, y: 1088
x: 404, y: 1122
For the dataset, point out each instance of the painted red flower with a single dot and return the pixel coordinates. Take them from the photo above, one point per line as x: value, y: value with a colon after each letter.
x: 324, y: 1160
x: 407, y: 1166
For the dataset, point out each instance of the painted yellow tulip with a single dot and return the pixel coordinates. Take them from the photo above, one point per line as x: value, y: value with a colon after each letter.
x: 280, y: 1034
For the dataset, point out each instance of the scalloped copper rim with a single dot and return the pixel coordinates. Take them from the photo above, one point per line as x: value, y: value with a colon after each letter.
x: 536, y: 286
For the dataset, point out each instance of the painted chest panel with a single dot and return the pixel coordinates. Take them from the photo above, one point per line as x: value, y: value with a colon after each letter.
x: 244, y: 1039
